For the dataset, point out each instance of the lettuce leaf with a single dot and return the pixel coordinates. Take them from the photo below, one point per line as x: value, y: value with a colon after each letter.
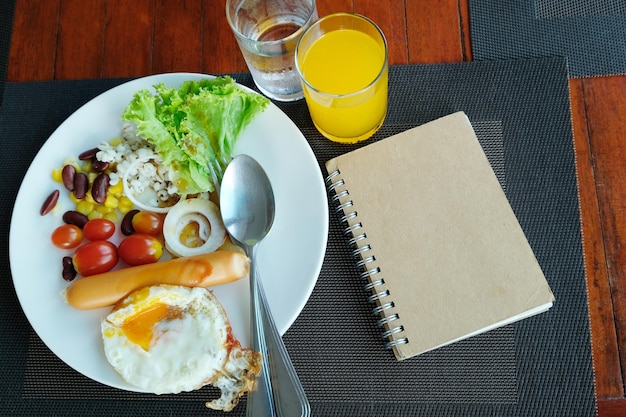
x: 192, y: 125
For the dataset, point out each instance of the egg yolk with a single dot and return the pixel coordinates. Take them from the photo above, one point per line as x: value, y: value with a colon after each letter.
x: 139, y: 328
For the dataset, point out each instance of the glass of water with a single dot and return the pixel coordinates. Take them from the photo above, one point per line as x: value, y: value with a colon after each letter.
x: 267, y: 32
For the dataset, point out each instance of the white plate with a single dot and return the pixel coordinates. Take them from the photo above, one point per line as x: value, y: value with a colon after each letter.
x: 289, y: 259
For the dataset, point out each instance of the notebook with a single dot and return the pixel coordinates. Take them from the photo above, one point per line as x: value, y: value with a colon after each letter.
x: 439, y: 248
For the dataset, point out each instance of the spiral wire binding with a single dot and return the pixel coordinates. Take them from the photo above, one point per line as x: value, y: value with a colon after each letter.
x: 360, y: 253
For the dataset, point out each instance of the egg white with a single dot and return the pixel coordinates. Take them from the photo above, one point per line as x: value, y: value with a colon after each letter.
x: 192, y: 348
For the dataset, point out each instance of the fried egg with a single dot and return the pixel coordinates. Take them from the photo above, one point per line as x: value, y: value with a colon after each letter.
x: 169, y: 339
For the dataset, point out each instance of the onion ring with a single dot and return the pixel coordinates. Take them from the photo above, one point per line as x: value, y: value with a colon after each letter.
x: 205, y: 214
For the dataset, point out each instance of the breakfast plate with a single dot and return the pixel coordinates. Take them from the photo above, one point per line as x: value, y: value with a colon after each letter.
x: 289, y: 258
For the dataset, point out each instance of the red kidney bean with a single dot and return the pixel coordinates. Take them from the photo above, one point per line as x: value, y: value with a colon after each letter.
x: 100, y: 188
x: 99, y: 166
x: 75, y: 217
x: 67, y: 174
x: 88, y: 154
x: 69, y: 272
x: 50, y: 202
x: 126, y: 227
x: 81, y: 185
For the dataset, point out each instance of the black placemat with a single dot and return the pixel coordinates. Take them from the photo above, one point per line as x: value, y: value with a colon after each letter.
x: 540, y: 366
x: 591, y: 34
x: 7, y: 8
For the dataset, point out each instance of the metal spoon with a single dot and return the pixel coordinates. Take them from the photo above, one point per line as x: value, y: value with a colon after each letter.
x: 247, y: 205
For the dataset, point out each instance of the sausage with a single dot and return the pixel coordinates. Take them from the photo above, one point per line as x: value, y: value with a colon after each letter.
x: 106, y: 289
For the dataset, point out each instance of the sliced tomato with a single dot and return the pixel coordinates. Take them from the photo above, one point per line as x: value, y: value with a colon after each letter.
x: 67, y: 236
x: 95, y: 257
x: 140, y: 249
x: 99, y: 229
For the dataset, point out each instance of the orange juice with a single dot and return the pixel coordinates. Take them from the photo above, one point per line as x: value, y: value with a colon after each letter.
x: 345, y: 82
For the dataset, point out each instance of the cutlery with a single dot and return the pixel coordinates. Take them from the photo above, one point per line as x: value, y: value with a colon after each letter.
x: 247, y: 207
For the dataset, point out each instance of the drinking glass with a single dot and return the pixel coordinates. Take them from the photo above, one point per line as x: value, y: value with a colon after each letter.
x: 267, y: 32
x: 342, y: 62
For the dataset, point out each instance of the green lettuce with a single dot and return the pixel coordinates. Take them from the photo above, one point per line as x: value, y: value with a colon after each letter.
x: 193, y: 125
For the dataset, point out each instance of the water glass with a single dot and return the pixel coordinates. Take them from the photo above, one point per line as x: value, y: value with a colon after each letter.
x: 267, y: 32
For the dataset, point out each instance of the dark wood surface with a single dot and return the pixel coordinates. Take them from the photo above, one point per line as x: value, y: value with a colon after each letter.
x: 77, y: 39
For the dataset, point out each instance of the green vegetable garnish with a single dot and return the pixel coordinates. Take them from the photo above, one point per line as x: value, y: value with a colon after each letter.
x: 192, y: 125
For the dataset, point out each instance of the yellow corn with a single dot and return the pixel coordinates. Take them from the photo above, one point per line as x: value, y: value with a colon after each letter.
x: 111, y: 201
x: 85, y: 207
x: 104, y: 209
x: 124, y: 205
x: 74, y: 162
x: 117, y: 189
x: 111, y: 216
x: 115, y: 141
x: 74, y: 199
x: 95, y: 214
x: 89, y: 197
x: 57, y: 175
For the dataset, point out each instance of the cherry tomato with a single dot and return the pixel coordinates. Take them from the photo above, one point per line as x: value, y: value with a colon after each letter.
x: 67, y: 236
x: 148, y: 222
x: 95, y: 257
x: 99, y: 229
x: 140, y: 248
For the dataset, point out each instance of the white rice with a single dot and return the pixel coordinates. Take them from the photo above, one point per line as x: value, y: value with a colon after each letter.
x: 149, y: 174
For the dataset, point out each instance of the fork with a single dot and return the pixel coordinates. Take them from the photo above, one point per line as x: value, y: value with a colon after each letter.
x: 217, y: 168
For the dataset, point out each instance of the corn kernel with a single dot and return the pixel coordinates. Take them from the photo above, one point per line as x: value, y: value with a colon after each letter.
x: 111, y: 201
x: 124, y: 205
x: 117, y: 189
x: 124, y: 209
x: 115, y: 141
x: 84, y: 207
x: 101, y: 208
x: 74, y: 199
x: 89, y: 197
x: 71, y: 161
x: 57, y: 175
x: 95, y: 214
x: 111, y: 216
x: 87, y: 167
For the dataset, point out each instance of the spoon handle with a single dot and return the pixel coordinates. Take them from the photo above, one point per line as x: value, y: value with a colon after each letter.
x: 261, y: 399
x: 289, y: 396
x: 279, y: 391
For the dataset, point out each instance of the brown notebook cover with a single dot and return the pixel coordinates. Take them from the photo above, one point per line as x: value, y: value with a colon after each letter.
x: 440, y: 248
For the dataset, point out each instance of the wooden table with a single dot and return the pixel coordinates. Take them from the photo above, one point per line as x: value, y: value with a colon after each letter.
x: 77, y: 39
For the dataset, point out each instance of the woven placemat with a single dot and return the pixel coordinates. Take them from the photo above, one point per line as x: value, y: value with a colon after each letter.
x: 541, y: 366
x: 590, y: 34
x: 7, y: 8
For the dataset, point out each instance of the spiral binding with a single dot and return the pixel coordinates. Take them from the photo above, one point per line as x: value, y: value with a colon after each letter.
x: 364, y: 259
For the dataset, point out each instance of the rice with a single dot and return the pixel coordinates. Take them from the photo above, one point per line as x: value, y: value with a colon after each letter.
x: 145, y: 169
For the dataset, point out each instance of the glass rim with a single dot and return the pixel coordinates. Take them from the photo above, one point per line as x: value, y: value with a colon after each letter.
x: 317, y: 23
x: 295, y: 34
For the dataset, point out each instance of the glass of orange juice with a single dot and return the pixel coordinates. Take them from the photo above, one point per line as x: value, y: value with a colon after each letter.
x: 342, y: 62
